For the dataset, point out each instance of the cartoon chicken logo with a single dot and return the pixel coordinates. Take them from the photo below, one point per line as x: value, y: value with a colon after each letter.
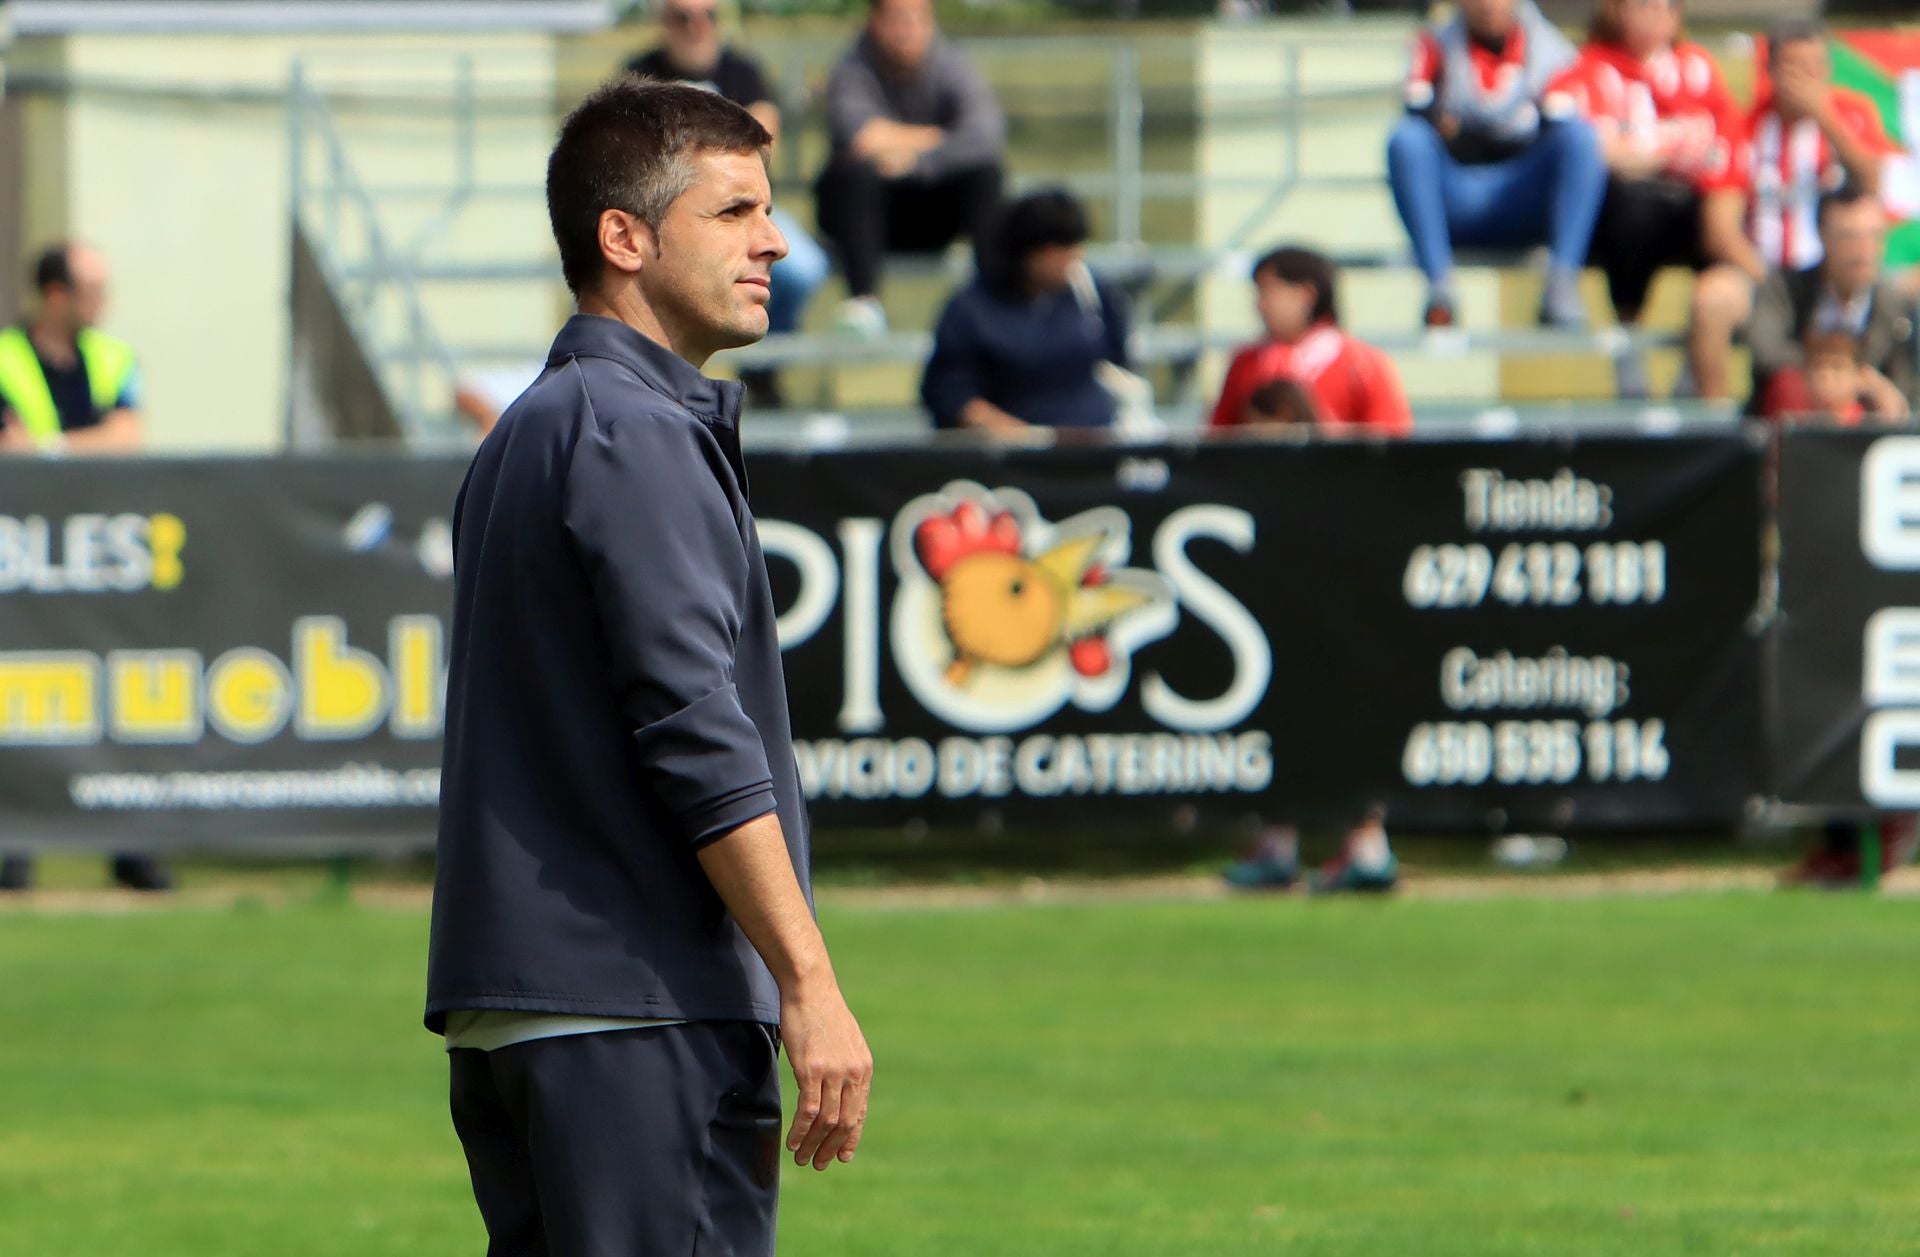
x: 1028, y: 614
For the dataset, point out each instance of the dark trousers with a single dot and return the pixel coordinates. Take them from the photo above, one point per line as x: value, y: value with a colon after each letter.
x: 656, y: 1142
x: 1645, y: 224
x: 866, y: 215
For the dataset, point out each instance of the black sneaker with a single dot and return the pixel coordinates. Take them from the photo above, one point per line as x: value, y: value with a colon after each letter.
x: 141, y: 872
x: 16, y: 873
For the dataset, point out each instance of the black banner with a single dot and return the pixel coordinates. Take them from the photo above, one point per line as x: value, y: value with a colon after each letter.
x: 1848, y: 666
x: 227, y: 653
x: 1473, y: 634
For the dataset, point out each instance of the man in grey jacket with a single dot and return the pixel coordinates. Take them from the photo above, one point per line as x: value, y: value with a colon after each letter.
x: 622, y: 932
x: 1846, y: 292
x: 917, y: 140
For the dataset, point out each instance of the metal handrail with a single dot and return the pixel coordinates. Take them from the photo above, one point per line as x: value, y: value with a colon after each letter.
x: 386, y: 269
x: 389, y: 269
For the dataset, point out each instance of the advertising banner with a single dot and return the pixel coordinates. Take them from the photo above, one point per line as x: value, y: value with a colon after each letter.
x: 1848, y: 667
x: 234, y: 652
x: 1471, y: 634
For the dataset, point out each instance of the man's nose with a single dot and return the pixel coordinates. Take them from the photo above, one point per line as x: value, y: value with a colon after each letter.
x: 773, y: 243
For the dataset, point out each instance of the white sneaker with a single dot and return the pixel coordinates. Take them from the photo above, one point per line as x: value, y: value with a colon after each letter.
x: 862, y: 316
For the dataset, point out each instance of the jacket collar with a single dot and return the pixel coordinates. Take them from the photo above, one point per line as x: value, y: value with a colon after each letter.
x: 667, y: 373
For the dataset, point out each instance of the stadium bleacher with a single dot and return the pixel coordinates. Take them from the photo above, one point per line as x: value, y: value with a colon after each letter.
x: 1496, y: 360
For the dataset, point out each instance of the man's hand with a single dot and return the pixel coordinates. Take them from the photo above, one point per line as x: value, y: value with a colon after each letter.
x: 1633, y: 162
x: 833, y: 1071
x: 13, y: 436
x: 894, y: 148
x: 895, y: 163
x: 1883, y: 397
x: 754, y: 877
x: 1804, y: 94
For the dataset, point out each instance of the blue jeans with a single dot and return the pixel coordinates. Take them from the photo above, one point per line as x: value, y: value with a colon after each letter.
x: 1549, y: 193
x: 795, y: 276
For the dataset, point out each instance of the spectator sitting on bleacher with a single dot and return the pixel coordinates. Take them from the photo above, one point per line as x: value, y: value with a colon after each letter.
x: 1352, y: 384
x: 1833, y: 385
x: 1670, y: 131
x: 690, y: 51
x: 1846, y: 293
x: 1804, y: 137
x: 1476, y: 163
x: 917, y: 141
x: 1022, y: 343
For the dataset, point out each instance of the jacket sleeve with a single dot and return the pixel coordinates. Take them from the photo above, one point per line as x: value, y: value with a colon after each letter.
x: 854, y: 99
x: 1117, y: 317
x: 978, y: 131
x: 1903, y: 368
x: 1772, y: 334
x: 1424, y: 68
x: 955, y: 373
x: 1231, y: 410
x: 1386, y: 408
x: 658, y: 539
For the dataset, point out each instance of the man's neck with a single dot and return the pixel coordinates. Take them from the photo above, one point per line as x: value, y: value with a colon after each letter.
x: 1847, y: 296
x: 1495, y: 42
x: 626, y: 306
x: 54, y: 342
x: 691, y: 67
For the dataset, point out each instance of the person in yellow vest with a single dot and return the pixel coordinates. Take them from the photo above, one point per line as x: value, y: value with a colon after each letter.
x: 66, y: 386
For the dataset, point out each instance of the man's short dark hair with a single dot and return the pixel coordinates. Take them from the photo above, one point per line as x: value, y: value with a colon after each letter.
x: 630, y: 146
x: 54, y: 267
x: 1304, y: 266
x: 1846, y: 196
x: 1036, y: 221
x: 1792, y: 30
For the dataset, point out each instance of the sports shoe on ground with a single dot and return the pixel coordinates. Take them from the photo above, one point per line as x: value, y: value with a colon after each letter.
x: 140, y: 872
x: 1342, y: 876
x: 1264, y: 870
x: 1272, y: 864
x: 1834, y: 863
x: 862, y: 316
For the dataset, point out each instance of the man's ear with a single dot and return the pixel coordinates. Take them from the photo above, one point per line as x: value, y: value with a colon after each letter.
x: 625, y: 241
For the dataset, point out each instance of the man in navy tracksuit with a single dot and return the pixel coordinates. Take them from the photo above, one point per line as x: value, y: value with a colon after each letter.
x: 622, y: 928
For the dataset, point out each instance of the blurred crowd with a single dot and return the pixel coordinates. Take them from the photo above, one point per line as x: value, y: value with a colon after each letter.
x: 1628, y: 153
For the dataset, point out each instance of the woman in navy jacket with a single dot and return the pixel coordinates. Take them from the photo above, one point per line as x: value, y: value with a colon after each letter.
x: 1019, y: 344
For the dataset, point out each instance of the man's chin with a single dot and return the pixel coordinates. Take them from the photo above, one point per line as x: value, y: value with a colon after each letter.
x: 748, y: 329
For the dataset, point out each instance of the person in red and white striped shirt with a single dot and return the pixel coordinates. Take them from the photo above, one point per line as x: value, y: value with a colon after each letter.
x: 1669, y: 130
x: 1805, y: 137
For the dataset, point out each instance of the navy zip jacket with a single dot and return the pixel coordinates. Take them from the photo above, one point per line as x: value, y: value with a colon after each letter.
x: 1031, y: 357
x: 614, y: 699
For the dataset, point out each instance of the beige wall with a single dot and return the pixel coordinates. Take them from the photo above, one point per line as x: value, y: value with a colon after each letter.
x: 188, y: 199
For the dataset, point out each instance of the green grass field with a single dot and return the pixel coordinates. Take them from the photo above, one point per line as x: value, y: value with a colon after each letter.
x: 1703, y: 1074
